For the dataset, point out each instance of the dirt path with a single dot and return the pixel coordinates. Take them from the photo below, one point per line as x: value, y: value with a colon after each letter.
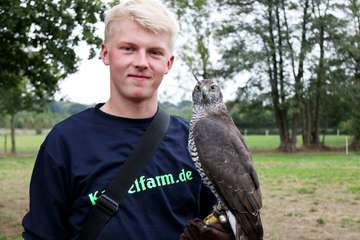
x: 324, y: 214
x: 11, y: 211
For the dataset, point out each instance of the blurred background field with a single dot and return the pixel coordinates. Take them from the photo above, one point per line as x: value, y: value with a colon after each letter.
x: 307, y: 195
x: 28, y: 141
x: 286, y: 68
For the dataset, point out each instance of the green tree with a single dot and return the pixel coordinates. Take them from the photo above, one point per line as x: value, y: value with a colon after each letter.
x: 348, y: 48
x: 262, y: 40
x: 292, y: 59
x: 353, y: 52
x: 182, y: 109
x: 324, y: 25
x: 251, y: 111
x: 50, y: 114
x: 196, y: 26
x: 37, y: 40
x: 15, y: 99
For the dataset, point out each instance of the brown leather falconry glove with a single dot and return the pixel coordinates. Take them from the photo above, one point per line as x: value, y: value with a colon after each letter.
x: 214, y: 227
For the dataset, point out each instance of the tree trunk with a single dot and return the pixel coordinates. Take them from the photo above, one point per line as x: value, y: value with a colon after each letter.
x: 306, y: 128
x: 5, y: 143
x: 355, y: 143
x: 276, y: 78
x: 355, y: 140
x: 355, y: 99
x: 12, y: 133
x: 316, y: 88
x: 315, y: 131
x: 298, y: 111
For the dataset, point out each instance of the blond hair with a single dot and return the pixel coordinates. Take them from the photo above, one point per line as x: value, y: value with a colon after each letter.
x: 150, y: 14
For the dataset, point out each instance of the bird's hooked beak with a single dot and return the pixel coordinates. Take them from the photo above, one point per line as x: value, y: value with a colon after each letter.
x: 204, y: 91
x: 203, y: 94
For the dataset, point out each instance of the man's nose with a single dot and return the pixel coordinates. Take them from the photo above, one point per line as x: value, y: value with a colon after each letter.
x: 140, y: 61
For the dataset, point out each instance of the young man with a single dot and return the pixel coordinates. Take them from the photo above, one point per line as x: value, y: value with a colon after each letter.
x: 82, y: 154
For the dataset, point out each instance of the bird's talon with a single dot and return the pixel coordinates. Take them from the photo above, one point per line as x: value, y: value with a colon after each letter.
x: 210, y: 219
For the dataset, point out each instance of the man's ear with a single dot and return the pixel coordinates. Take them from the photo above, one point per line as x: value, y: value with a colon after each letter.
x: 170, y: 62
x: 105, y: 53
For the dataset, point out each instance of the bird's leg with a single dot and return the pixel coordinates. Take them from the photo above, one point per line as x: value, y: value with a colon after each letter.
x: 211, y: 219
x: 214, y: 216
x: 220, y: 212
x: 220, y: 207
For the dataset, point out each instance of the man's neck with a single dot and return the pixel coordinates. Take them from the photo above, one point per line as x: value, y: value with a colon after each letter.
x: 131, y: 109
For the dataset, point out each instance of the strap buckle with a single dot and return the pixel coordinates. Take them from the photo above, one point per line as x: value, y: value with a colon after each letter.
x: 107, y: 204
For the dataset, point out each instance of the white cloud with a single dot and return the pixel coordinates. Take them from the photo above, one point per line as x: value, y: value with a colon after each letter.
x: 89, y: 85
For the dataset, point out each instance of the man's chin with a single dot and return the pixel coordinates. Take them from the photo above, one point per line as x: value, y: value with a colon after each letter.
x: 141, y: 97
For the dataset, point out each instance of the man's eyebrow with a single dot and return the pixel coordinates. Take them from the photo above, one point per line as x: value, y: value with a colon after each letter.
x: 127, y: 43
x: 158, y: 48
x: 151, y: 47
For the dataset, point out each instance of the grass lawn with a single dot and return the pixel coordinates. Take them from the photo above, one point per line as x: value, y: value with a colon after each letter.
x: 262, y: 142
x: 311, y: 171
x: 310, y: 196
x: 305, y: 195
x: 25, y: 144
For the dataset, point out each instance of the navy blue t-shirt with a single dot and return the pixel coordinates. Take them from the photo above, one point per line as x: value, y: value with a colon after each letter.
x: 80, y: 156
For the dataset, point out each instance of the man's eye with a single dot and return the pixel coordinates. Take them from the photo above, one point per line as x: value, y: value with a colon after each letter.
x: 126, y: 49
x: 157, y: 53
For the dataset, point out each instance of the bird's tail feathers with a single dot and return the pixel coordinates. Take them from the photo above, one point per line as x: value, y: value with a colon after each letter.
x: 240, y: 235
x: 252, y: 202
x: 249, y: 227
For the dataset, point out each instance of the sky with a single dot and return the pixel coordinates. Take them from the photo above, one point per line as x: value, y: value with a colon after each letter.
x: 91, y: 83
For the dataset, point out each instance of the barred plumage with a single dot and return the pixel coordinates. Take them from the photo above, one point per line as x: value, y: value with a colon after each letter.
x: 224, y: 162
x: 195, y: 157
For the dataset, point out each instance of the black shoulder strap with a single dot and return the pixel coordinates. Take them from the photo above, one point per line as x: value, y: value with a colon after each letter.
x: 108, y: 203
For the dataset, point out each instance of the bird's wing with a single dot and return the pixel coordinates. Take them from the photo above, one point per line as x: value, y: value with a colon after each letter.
x: 227, y: 162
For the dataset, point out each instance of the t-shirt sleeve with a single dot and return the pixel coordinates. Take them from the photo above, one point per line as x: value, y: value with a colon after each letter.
x: 46, y: 218
x: 207, y: 201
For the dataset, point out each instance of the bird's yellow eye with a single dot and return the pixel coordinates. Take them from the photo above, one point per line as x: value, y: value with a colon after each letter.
x: 212, y: 87
x: 197, y: 87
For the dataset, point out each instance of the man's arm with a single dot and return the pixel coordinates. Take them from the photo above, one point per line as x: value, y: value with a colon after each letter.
x: 48, y: 212
x: 197, y: 229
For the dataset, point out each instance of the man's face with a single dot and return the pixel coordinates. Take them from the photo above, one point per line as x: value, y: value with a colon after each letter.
x: 138, y: 60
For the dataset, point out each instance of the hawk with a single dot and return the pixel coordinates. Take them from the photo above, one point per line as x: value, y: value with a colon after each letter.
x: 224, y: 161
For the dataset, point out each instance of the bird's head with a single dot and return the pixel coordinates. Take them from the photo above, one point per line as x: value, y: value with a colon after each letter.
x: 207, y: 94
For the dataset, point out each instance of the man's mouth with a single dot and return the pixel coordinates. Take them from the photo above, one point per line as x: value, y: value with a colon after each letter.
x: 139, y: 76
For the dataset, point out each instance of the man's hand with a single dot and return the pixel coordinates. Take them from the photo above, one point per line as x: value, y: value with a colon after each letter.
x: 214, y: 230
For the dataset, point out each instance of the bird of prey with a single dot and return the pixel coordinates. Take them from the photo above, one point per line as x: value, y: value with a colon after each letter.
x: 224, y: 161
